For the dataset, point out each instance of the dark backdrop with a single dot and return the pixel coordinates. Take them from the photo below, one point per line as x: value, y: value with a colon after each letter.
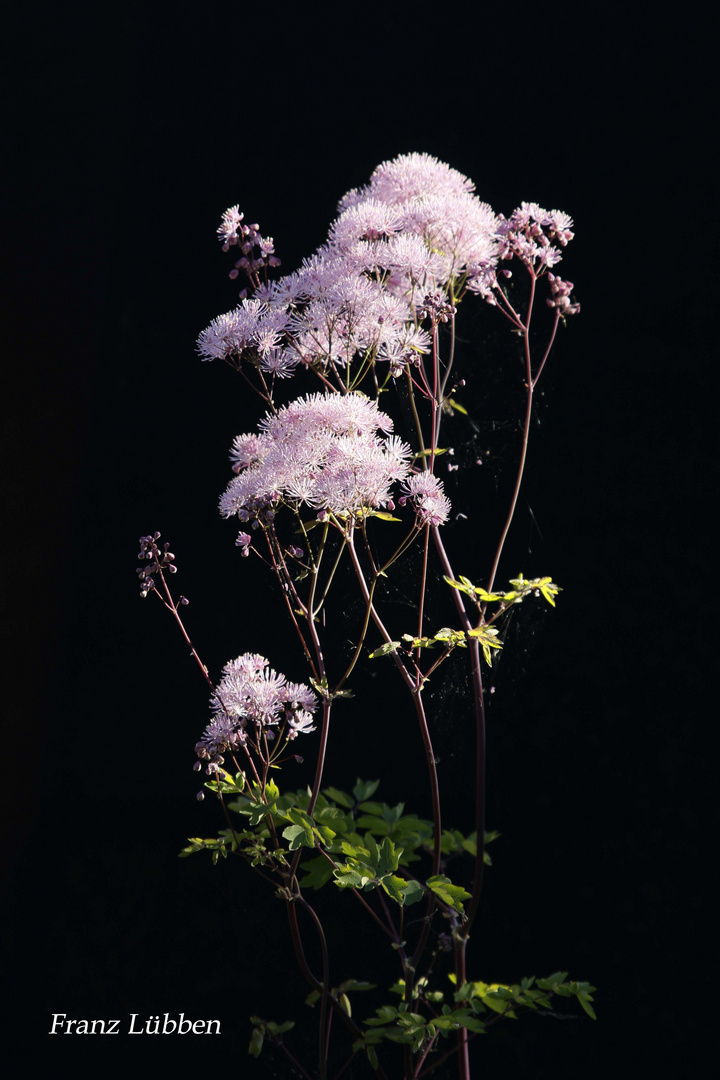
x: 129, y: 133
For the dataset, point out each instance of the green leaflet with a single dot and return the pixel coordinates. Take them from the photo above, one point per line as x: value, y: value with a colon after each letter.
x: 452, y: 895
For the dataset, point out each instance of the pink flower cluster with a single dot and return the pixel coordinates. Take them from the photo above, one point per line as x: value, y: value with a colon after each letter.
x: 416, y: 229
x: 534, y: 235
x: 251, y: 693
x: 425, y: 492
x: 323, y: 451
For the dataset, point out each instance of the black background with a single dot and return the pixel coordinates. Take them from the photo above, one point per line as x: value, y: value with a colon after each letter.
x: 127, y: 135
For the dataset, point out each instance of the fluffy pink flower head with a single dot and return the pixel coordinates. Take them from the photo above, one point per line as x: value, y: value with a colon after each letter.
x: 417, y: 226
x: 426, y: 494
x: 326, y: 451
x: 252, y: 698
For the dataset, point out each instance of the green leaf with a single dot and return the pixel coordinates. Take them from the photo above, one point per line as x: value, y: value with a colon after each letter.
x: 583, y: 999
x: 388, y: 857
x: 256, y: 1042
x: 465, y: 585
x: 355, y: 984
x: 279, y: 1029
x: 454, y: 637
x: 388, y: 647
x: 355, y: 851
x: 299, y: 817
x: 426, y: 453
x: 395, y: 888
x: 419, y: 642
x: 489, y: 597
x: 318, y: 872
x: 486, y: 636
x: 365, y: 789
x: 553, y: 981
x: 325, y: 834
x: 392, y: 814
x: 414, y: 891
x: 386, y: 1014
x: 450, y: 894
x: 339, y: 797
x: 347, y: 878
x: 297, y: 837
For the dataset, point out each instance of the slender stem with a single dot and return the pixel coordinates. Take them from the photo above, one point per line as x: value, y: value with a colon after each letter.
x: 424, y: 1054
x: 172, y: 607
x: 316, y: 611
x: 286, y: 592
x: 317, y: 985
x: 416, y: 418
x: 390, y: 933
x: 322, y: 1055
x: 526, y: 435
x: 406, y: 677
x: 361, y: 640
x: 480, y: 770
x: 294, y: 1060
x: 448, y: 367
x: 298, y: 946
x: 480, y: 759
x: 461, y: 937
x: 423, y: 584
x: 547, y: 350
x: 322, y: 750
x: 416, y: 691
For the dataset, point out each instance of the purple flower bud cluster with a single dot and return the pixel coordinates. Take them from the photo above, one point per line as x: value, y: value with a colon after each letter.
x: 560, y: 298
x: 250, y: 701
x: 234, y: 233
x: 534, y: 235
x: 157, y: 560
x: 437, y: 307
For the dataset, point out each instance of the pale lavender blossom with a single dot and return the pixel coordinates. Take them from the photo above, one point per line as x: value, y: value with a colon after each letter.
x: 299, y: 724
x: 435, y: 203
x: 324, y: 451
x: 369, y: 220
x: 416, y: 227
x: 233, y: 332
x: 230, y: 226
x: 279, y: 362
x: 426, y: 494
x: 244, y: 541
x: 410, y: 176
x: 250, y: 699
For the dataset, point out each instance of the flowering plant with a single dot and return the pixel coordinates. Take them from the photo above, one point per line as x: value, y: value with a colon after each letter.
x: 326, y: 492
